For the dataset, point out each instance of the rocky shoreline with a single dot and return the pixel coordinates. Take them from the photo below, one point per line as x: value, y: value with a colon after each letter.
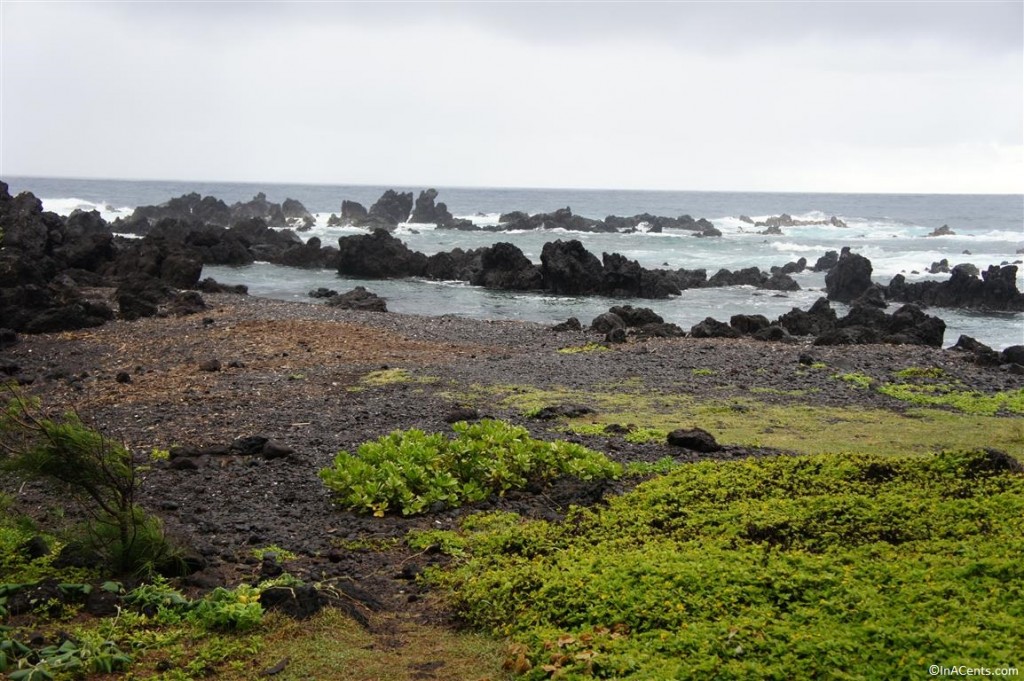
x: 48, y: 261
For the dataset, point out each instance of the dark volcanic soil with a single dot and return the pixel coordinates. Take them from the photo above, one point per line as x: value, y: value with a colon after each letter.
x: 292, y: 372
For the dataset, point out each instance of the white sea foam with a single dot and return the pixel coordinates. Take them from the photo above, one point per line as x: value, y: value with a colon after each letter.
x: 483, y: 220
x: 68, y: 205
x: 414, y: 228
x: 793, y: 247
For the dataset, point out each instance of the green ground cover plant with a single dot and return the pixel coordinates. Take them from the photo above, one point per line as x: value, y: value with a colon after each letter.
x: 800, y: 428
x: 273, y: 550
x: 792, y: 567
x: 932, y: 387
x: 412, y: 471
x: 583, y: 349
x: 154, y: 619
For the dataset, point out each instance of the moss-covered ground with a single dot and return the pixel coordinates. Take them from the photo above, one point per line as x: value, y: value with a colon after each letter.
x: 783, y: 568
x: 928, y: 419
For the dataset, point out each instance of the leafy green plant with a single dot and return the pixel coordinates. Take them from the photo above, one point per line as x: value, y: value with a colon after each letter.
x: 413, y: 472
x: 229, y: 610
x: 22, y: 663
x: 158, y: 599
x: 94, y: 471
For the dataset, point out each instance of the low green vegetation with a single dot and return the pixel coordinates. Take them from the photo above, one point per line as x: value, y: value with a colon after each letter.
x: 385, y: 377
x: 966, y: 401
x: 23, y: 663
x: 332, y: 646
x: 15, y: 567
x: 703, y: 372
x: 412, y: 471
x: 582, y: 349
x: 804, y: 428
x: 787, y: 393
x: 932, y: 387
x: 857, y: 379
x: 275, y: 551
x: 190, y: 636
x: 791, y: 567
x: 159, y: 634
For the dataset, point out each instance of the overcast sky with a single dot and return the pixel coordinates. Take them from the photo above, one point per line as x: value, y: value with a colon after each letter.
x: 860, y: 96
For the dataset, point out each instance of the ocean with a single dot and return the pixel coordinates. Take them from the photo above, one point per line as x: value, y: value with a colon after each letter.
x: 889, y: 229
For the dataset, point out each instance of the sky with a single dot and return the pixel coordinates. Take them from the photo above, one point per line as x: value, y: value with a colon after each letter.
x: 763, y: 96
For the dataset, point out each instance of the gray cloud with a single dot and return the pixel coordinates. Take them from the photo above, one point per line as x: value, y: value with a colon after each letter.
x: 801, y: 96
x: 977, y: 24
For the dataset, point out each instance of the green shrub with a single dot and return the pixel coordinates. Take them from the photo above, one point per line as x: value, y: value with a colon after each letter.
x: 793, y: 567
x: 412, y: 471
x: 94, y: 471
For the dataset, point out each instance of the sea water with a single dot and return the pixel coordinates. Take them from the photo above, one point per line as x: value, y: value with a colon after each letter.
x: 889, y: 229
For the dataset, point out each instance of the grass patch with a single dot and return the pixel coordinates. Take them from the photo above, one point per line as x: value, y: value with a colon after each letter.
x: 386, y: 377
x: 799, y: 428
x: 160, y: 635
x: 966, y: 401
x: 857, y: 379
x: 582, y: 349
x: 703, y: 372
x: 383, y: 377
x: 274, y: 550
x: 332, y: 646
x: 785, y: 393
x: 921, y: 386
x: 793, y: 567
